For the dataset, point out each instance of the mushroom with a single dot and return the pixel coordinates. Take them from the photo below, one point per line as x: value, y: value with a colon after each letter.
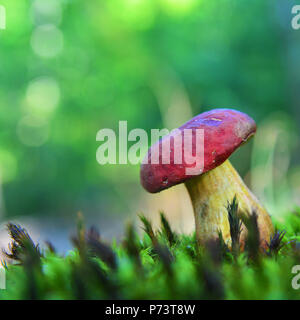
x: 217, y: 182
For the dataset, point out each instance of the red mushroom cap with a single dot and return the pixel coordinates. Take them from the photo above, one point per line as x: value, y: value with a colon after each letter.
x: 224, y: 130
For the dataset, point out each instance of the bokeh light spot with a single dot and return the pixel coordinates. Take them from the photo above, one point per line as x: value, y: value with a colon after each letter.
x: 47, y: 41
x: 8, y: 166
x: 32, y: 131
x: 178, y: 7
x: 42, y: 96
x: 46, y: 11
x: 139, y: 14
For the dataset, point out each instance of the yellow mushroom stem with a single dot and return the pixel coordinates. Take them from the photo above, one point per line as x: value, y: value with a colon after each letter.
x: 210, y: 194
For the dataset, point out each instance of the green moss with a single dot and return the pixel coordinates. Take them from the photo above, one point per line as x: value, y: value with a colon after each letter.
x: 160, y: 265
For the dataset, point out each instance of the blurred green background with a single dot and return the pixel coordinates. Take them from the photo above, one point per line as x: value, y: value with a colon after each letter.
x: 71, y: 67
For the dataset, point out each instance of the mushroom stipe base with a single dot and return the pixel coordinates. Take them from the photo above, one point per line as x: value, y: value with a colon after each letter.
x: 210, y: 194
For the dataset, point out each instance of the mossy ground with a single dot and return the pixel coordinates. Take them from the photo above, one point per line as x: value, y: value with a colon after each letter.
x: 160, y: 265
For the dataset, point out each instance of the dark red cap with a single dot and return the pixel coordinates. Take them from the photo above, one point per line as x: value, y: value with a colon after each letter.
x: 224, y: 130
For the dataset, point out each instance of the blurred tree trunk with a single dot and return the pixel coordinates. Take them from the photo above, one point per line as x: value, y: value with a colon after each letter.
x: 290, y: 51
x: 290, y: 40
